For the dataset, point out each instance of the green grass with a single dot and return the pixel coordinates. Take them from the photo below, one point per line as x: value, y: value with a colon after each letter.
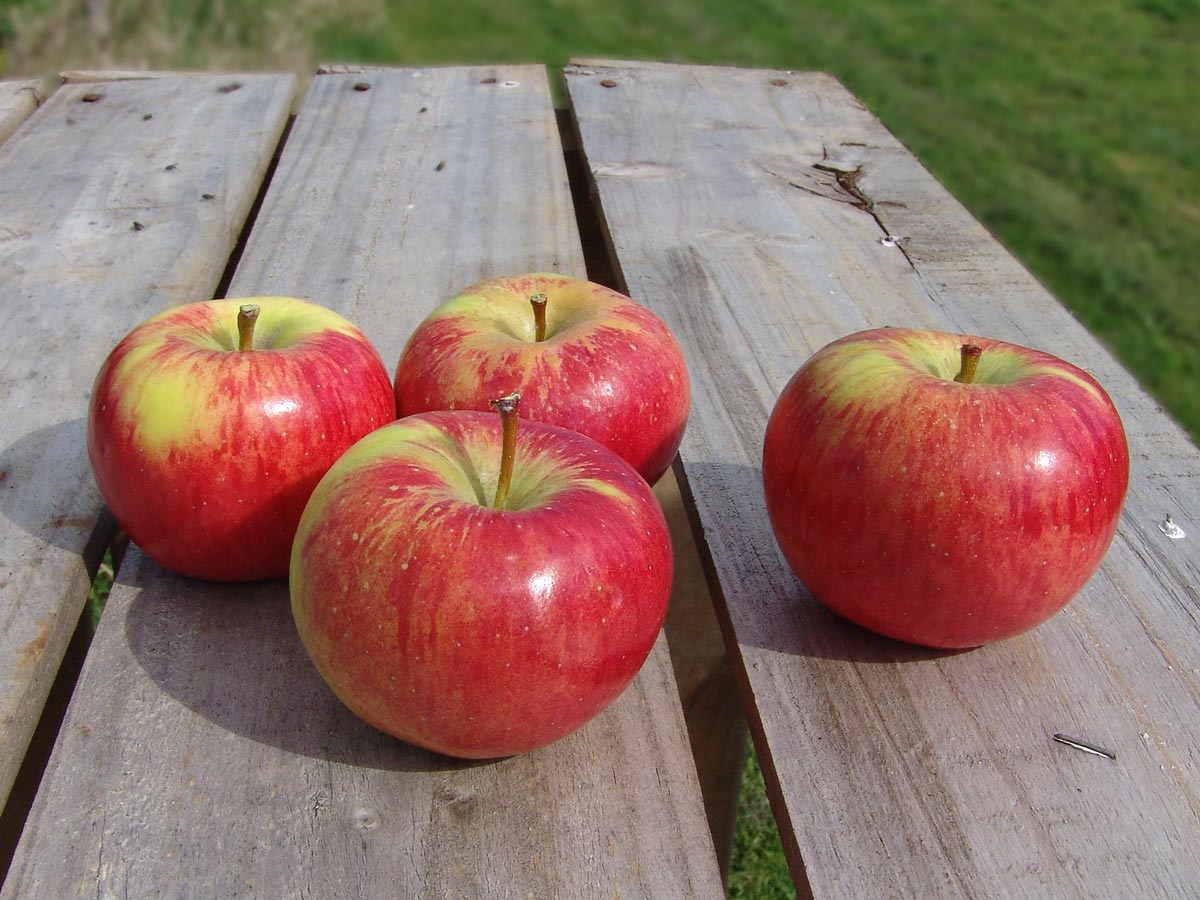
x: 1070, y: 128
x: 101, y: 588
x: 758, y: 869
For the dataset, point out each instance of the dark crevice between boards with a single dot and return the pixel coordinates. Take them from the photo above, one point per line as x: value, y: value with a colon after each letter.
x: 593, y: 231
x: 603, y: 267
x: 235, y: 256
x: 102, y: 558
x: 791, y: 849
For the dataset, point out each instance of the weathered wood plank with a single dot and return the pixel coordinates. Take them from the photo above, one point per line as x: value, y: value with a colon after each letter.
x: 76, y: 273
x: 897, y: 771
x: 17, y: 100
x: 202, y: 747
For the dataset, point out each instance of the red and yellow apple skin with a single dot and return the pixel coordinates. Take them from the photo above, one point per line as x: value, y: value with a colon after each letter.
x: 206, y: 454
x: 944, y: 514
x: 467, y: 630
x: 607, y: 368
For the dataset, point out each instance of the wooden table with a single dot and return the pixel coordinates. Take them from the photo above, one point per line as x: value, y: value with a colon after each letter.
x: 201, y: 756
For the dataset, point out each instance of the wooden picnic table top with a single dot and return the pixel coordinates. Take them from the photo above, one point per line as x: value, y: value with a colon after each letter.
x: 201, y: 755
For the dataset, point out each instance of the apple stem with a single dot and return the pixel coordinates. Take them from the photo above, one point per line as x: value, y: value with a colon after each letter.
x: 507, y: 407
x: 247, y: 316
x: 970, y: 362
x: 538, y: 302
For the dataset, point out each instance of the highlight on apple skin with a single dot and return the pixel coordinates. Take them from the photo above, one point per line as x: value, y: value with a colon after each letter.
x: 210, y: 424
x: 472, y: 630
x: 944, y: 490
x: 603, y: 365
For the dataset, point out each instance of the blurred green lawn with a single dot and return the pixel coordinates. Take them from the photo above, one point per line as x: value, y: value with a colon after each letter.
x: 1070, y: 128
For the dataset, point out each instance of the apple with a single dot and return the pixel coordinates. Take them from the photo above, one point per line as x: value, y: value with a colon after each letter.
x: 581, y: 355
x: 945, y: 490
x: 477, y: 591
x: 210, y: 424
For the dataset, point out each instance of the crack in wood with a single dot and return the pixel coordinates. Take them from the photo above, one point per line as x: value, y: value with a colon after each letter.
x: 847, y: 180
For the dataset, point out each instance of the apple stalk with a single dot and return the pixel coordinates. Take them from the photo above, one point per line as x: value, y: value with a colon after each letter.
x: 507, y: 407
x: 970, y: 362
x: 538, y: 302
x: 247, y: 316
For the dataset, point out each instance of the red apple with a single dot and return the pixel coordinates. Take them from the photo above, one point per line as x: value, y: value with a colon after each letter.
x: 944, y: 490
x: 469, y: 618
x: 602, y: 364
x: 207, y: 442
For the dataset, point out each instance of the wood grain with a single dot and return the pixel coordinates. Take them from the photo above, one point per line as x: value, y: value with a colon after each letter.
x: 75, y: 275
x: 897, y: 771
x: 202, y: 748
x: 17, y: 100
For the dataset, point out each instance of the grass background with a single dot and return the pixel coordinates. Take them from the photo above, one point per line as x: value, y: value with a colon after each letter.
x: 1069, y: 128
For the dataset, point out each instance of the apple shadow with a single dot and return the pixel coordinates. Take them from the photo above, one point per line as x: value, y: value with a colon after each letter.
x: 231, y: 654
x: 787, y: 618
x: 47, y: 490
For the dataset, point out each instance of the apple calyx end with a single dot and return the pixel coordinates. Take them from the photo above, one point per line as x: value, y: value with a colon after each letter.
x: 247, y: 317
x: 507, y: 407
x: 538, y: 302
x: 969, y: 363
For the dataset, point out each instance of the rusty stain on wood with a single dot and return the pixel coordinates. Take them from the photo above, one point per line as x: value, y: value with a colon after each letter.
x: 72, y: 522
x: 33, y: 650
